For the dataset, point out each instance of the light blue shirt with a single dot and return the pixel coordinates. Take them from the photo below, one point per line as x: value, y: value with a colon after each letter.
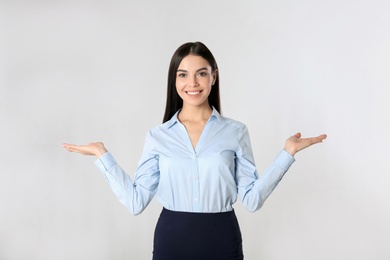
x: 205, y: 179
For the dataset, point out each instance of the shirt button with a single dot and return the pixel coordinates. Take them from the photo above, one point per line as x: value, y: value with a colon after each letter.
x: 196, y: 199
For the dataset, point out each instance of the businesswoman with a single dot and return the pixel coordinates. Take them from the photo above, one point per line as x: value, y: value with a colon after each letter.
x: 197, y: 163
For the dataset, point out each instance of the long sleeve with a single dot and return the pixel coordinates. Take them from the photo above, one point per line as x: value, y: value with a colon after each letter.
x: 253, y: 190
x: 137, y: 194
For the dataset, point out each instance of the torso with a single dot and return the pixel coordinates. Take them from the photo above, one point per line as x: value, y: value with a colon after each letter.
x: 206, y: 173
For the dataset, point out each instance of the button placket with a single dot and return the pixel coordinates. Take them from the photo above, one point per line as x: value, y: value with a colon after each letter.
x: 195, y: 185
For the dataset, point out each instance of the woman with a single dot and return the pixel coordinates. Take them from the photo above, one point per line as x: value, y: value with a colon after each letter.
x: 197, y: 162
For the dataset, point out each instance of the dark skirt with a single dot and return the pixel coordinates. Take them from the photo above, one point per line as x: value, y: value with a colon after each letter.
x: 197, y: 236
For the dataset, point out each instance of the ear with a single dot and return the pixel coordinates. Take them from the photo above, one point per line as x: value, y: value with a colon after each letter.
x: 215, y: 75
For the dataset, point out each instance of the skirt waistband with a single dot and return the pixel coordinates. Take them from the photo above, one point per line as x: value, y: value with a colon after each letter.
x: 199, y: 215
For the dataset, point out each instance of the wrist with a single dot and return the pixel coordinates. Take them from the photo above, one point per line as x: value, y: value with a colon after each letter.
x: 290, y: 150
x: 100, y: 153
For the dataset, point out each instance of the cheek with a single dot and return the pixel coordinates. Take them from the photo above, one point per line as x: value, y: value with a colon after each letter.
x: 179, y: 89
x: 179, y: 85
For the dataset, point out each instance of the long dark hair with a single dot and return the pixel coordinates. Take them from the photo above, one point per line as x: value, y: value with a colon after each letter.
x: 174, y: 101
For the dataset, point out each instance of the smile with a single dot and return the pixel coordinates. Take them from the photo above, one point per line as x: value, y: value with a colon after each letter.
x: 193, y: 92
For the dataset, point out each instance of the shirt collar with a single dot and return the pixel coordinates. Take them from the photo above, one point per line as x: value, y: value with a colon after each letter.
x: 175, y: 120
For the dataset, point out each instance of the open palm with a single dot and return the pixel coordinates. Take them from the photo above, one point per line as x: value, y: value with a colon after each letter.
x: 295, y: 143
x: 96, y: 149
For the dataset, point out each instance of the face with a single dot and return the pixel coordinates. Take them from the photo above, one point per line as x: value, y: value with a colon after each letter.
x: 194, y: 80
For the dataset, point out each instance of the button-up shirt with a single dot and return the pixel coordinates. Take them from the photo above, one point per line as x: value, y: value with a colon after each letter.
x: 207, y: 178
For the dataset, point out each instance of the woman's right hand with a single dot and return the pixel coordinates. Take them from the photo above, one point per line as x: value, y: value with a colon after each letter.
x: 96, y: 149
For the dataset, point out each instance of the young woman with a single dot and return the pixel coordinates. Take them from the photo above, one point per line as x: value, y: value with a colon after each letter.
x: 197, y: 162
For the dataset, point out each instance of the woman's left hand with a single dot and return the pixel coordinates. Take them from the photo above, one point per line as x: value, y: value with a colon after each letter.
x: 295, y: 143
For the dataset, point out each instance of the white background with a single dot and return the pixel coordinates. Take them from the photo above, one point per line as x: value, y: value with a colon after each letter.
x: 81, y: 71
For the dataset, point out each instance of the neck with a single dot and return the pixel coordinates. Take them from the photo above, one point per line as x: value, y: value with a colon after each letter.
x: 194, y: 114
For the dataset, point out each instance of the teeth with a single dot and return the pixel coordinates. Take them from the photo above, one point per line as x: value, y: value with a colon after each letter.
x: 193, y: 93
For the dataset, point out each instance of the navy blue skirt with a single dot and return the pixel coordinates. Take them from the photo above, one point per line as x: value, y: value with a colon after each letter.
x: 197, y: 236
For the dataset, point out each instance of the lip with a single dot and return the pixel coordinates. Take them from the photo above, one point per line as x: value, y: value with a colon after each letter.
x: 193, y: 93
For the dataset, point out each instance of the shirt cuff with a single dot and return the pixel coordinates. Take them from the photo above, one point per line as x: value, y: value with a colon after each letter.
x: 284, y: 160
x: 105, y: 162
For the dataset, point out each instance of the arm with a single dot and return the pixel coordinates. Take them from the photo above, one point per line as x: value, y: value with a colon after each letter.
x: 253, y: 190
x: 135, y: 195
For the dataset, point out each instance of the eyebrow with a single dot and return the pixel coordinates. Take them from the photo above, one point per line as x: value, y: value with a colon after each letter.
x: 204, y: 68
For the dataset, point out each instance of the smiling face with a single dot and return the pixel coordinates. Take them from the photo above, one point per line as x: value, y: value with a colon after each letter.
x: 194, y: 80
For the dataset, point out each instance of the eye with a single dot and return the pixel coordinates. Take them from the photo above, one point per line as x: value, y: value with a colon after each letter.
x: 202, y: 74
x: 181, y: 75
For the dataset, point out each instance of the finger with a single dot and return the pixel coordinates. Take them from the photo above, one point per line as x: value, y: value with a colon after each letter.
x: 75, y: 148
x: 322, y: 137
x: 319, y: 138
x: 67, y: 146
x: 297, y: 135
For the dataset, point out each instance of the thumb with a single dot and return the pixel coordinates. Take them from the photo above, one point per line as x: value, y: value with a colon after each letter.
x: 298, y: 135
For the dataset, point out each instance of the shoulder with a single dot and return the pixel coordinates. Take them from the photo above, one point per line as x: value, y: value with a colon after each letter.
x: 159, y: 129
x: 229, y: 122
x: 155, y: 129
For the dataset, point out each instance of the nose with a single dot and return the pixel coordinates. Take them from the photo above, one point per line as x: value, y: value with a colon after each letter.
x: 193, y: 81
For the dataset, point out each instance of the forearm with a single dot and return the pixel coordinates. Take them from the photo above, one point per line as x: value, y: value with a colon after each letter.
x: 134, y: 197
x: 254, y: 197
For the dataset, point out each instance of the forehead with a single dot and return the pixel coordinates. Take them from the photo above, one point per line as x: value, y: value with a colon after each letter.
x: 193, y: 62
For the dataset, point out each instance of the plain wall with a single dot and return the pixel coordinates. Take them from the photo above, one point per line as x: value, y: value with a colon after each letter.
x: 82, y: 71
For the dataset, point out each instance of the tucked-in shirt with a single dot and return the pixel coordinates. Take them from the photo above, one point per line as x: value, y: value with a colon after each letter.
x: 207, y: 178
